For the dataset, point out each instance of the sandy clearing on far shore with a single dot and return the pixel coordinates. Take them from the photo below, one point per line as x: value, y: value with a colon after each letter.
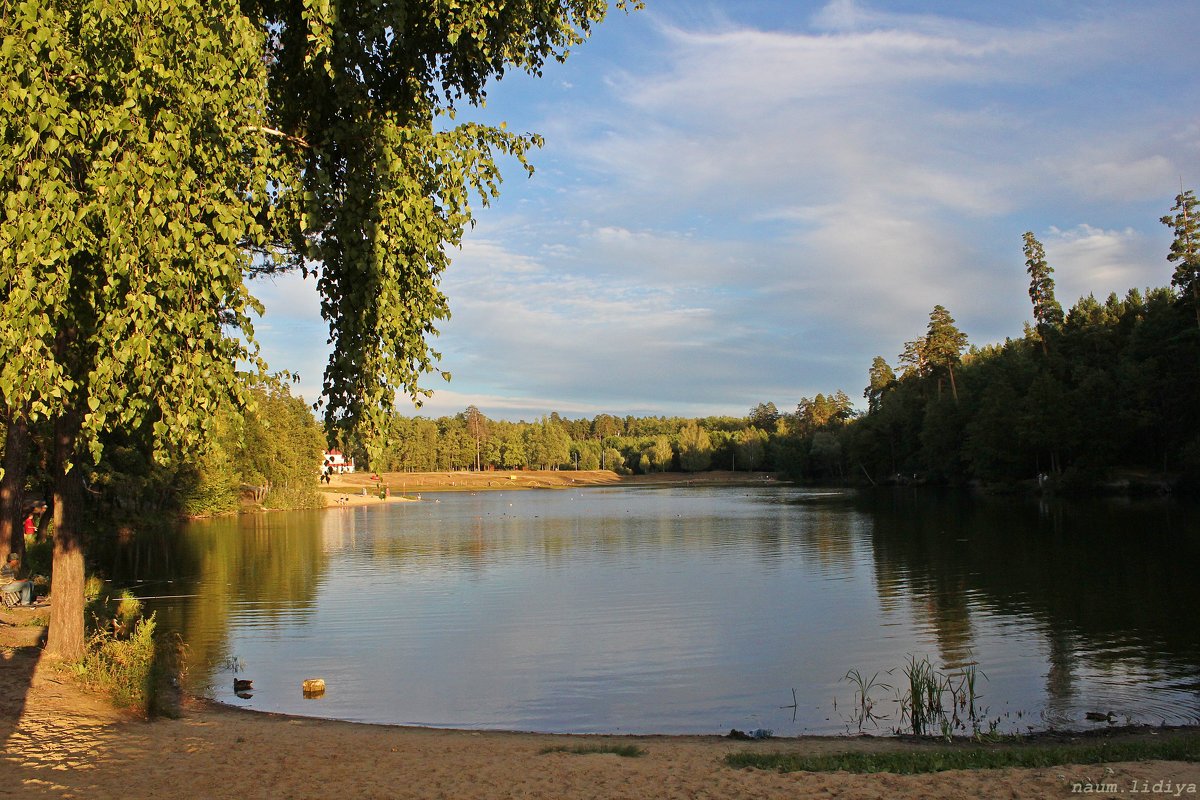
x: 362, y: 488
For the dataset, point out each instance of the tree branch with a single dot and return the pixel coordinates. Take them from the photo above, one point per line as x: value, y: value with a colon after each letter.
x: 279, y: 133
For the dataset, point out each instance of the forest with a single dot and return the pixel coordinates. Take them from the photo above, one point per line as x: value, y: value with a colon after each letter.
x: 1081, y: 398
x: 266, y: 453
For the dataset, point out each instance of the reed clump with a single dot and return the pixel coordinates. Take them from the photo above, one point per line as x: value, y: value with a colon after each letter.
x: 936, y: 702
x: 125, y: 659
x: 930, y: 701
x: 864, y: 691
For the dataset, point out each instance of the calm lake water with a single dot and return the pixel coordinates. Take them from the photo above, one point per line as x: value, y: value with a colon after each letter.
x: 689, y: 610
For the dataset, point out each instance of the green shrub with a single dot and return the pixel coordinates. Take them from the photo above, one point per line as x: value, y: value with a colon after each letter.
x: 129, y: 612
x: 124, y: 658
x: 210, y: 491
x: 124, y: 667
x: 307, y: 495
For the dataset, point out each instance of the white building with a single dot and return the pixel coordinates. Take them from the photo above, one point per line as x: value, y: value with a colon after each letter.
x: 335, y: 462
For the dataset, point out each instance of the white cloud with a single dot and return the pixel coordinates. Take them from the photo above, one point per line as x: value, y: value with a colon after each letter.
x: 869, y: 166
x: 738, y: 72
x: 840, y: 15
x: 448, y: 402
x: 741, y: 118
x: 736, y: 212
x: 292, y: 334
x: 542, y: 332
x: 1112, y: 175
x: 1092, y: 260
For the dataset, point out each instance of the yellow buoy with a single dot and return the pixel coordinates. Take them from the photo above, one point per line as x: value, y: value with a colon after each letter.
x: 314, y: 687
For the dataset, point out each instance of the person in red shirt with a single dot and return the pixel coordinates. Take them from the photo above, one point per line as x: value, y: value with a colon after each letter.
x: 34, y: 517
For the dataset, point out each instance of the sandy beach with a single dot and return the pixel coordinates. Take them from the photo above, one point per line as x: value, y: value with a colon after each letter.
x: 362, y: 488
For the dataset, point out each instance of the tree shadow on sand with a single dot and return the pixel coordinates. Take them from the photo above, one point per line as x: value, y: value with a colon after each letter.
x: 19, y: 653
x: 51, y: 733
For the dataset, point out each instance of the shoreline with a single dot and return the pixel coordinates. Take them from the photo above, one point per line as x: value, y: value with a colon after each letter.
x: 347, y: 488
x: 848, y: 742
x: 61, y: 740
x: 406, y: 485
x: 64, y: 741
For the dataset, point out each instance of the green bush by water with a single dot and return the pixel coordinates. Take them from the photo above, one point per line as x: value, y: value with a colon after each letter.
x: 124, y: 667
x: 123, y: 657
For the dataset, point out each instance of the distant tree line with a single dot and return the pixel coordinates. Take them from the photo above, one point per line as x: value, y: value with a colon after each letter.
x: 470, y: 440
x: 1102, y: 387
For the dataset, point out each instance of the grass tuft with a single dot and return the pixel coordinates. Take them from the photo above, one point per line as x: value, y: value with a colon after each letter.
x: 623, y: 750
x: 1180, y: 748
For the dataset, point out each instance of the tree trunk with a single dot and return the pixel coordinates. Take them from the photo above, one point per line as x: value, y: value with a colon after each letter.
x: 953, y: 388
x: 16, y: 462
x: 65, y: 639
x: 43, y: 528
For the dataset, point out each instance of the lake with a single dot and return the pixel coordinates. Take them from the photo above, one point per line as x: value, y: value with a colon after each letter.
x: 689, y: 609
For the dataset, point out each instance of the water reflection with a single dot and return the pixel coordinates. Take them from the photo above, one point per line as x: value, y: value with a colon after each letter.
x: 689, y: 610
x: 1106, y: 583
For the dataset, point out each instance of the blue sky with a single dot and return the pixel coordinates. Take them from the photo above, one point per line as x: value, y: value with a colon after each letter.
x: 746, y: 202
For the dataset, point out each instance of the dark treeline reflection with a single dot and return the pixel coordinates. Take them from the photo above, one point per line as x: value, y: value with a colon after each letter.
x: 1092, y: 587
x: 194, y: 577
x: 1119, y: 574
x: 1108, y: 580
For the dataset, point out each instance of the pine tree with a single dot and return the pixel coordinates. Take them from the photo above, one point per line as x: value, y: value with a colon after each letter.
x: 881, y: 379
x: 944, y: 344
x: 1047, y: 312
x: 1185, y: 249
